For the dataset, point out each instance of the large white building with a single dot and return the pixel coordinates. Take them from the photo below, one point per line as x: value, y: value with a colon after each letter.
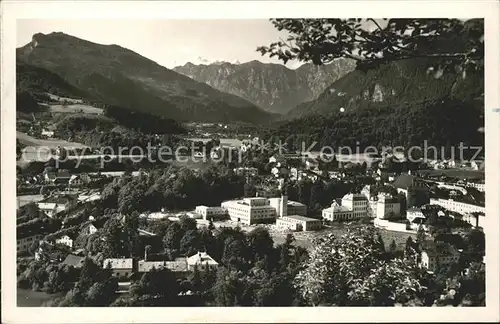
x: 249, y: 210
x: 387, y: 207
x: 337, y: 212
x: 259, y: 209
x: 357, y: 203
x: 458, y: 206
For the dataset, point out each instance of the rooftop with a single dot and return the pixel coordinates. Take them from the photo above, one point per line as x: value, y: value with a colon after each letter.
x: 201, y: 258
x: 60, y: 199
x: 356, y: 197
x: 178, y: 265
x: 335, y: 207
x: 302, y: 218
x: 119, y: 263
x: 74, y: 260
x: 404, y: 181
x: 439, y: 248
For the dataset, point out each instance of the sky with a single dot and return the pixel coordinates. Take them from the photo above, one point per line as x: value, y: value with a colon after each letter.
x: 168, y: 42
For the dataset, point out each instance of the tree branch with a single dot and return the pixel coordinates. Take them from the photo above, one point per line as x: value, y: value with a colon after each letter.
x: 376, y: 23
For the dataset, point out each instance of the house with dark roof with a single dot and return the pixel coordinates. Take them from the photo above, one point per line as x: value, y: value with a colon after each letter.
x: 74, y: 261
x: 407, y: 182
x: 56, y: 204
x: 59, y: 176
x: 436, y: 254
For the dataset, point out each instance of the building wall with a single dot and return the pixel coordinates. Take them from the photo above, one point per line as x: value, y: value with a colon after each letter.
x: 457, y: 206
x: 249, y: 214
x: 284, y: 224
x: 297, y: 210
x: 430, y: 262
x: 411, y: 215
x: 388, y: 209
x: 297, y: 224
x: 210, y: 212
x: 66, y: 241
x: 23, y: 244
x: 359, y: 207
x: 331, y: 215
x: 122, y: 273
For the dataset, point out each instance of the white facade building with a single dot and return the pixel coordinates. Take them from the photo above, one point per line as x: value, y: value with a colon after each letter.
x: 357, y: 203
x: 246, y: 172
x: 298, y: 223
x: 458, y: 206
x: 249, y: 210
x: 208, y: 213
x: 259, y: 209
x: 66, y: 240
x: 202, y: 261
x: 414, y: 213
x: 387, y: 207
x: 337, y: 212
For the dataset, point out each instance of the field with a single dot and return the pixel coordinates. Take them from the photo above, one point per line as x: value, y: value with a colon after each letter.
x: 52, y: 143
x: 26, y: 199
x: 456, y: 173
x: 38, y: 149
x: 75, y: 108
x: 29, y: 298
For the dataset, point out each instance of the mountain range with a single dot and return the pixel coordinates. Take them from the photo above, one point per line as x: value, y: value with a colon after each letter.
x: 394, y: 84
x: 273, y: 87
x: 396, y: 99
x: 120, y: 77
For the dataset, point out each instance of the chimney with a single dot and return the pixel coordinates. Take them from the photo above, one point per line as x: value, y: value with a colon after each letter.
x: 283, y: 209
x: 145, y: 254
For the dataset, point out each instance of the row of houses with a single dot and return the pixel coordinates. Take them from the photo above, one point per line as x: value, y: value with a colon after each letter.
x: 124, y: 268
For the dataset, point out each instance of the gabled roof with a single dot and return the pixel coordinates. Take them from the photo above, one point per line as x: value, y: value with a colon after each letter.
x: 404, y: 181
x: 74, y: 260
x: 63, y: 174
x: 201, y: 258
x: 125, y: 263
x: 440, y: 249
x: 178, y: 265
